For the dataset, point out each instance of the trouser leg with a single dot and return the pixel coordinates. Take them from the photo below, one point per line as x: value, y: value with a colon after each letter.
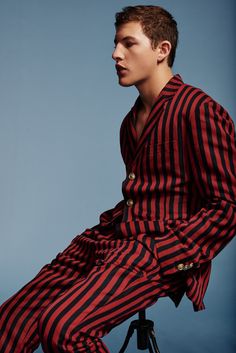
x: 109, y: 295
x: 19, y: 314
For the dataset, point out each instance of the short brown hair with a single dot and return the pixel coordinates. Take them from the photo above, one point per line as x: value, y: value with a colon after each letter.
x: 157, y: 24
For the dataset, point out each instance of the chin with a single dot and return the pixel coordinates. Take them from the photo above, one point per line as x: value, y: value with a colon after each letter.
x: 125, y: 84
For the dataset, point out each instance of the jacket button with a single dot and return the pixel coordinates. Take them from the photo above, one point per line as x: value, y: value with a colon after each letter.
x: 132, y: 176
x: 180, y: 267
x: 129, y: 202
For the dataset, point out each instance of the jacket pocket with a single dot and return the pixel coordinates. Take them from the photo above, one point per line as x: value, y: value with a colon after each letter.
x: 164, y: 148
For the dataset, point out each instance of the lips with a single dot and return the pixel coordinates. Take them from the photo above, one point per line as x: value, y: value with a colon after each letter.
x: 120, y: 69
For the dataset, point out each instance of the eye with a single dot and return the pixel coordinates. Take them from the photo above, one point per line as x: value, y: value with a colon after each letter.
x: 129, y: 44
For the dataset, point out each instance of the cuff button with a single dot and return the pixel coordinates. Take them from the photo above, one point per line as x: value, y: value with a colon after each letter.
x: 180, y: 267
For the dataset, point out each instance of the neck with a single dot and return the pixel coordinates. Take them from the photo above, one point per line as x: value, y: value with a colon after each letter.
x: 151, y: 88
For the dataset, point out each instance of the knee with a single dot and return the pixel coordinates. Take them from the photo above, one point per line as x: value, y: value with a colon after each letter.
x: 55, y: 332
x: 48, y: 331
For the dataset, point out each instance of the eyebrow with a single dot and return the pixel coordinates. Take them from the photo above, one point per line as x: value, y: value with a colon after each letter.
x: 125, y: 38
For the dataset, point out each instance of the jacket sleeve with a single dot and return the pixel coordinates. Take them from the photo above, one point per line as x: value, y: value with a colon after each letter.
x: 212, y: 156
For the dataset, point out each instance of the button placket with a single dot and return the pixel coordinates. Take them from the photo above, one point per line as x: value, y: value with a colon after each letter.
x: 131, y: 176
x: 129, y: 202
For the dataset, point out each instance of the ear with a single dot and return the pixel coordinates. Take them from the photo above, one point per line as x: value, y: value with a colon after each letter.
x: 163, y: 50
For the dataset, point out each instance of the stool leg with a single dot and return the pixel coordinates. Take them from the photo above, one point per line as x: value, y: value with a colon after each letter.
x: 127, y: 338
x: 154, y: 342
x: 145, y: 334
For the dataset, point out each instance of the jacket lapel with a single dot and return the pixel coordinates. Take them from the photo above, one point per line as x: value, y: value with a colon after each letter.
x: 166, y: 94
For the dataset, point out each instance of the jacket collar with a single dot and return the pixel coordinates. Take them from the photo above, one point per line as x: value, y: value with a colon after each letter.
x: 167, y: 93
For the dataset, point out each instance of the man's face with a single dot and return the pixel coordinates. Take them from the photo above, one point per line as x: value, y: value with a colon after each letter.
x: 136, y: 61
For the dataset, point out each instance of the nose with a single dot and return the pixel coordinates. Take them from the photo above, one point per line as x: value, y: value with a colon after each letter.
x: 117, y: 54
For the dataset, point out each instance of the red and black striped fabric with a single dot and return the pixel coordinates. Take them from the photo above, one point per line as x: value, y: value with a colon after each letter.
x: 88, y: 289
x: 184, y: 190
x: 178, y: 212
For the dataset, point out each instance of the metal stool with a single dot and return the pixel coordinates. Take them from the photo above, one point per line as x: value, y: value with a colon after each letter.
x: 145, y: 334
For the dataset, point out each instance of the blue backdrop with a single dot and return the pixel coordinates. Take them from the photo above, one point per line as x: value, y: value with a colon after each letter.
x: 60, y: 113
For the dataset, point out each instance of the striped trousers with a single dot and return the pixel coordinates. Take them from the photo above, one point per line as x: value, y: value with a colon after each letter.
x: 89, y: 288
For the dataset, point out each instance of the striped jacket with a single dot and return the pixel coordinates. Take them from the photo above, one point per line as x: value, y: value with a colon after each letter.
x: 180, y: 186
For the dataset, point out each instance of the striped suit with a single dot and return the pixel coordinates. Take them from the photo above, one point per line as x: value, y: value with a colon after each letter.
x: 178, y: 212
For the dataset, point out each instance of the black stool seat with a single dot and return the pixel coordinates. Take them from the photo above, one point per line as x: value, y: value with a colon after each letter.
x: 145, y: 334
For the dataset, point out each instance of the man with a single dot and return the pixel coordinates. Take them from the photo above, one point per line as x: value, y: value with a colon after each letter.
x: 178, y: 210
